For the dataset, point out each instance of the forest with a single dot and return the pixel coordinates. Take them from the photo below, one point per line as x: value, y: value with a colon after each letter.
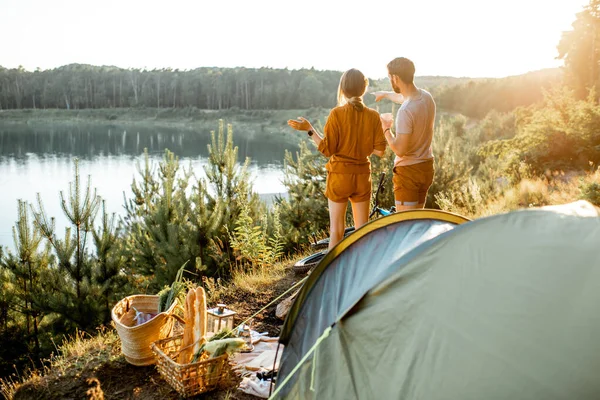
x: 79, y: 87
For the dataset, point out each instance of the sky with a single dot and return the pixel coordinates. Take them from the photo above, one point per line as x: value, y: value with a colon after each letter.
x: 472, y: 38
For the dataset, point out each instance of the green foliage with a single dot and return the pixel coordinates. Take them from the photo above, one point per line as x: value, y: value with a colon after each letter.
x: 561, y: 133
x: 385, y: 165
x: 477, y: 98
x: 70, y: 289
x: 163, y: 227
x: 305, y: 209
x: 590, y: 188
x: 580, y: 48
x: 467, y: 200
x: 108, y: 264
x: 231, y: 181
x: 591, y: 193
x: 452, y: 152
x: 252, y: 245
x: 174, y: 291
x: 495, y: 126
x: 168, y: 223
x: 23, y: 272
x: 56, y: 288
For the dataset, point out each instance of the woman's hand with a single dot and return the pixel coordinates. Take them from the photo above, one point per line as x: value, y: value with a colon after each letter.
x: 301, y: 124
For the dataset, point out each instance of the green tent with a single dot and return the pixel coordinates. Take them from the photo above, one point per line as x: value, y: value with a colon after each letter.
x: 413, y: 306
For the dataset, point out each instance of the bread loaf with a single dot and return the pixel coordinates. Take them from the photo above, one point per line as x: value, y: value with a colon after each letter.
x: 200, y: 318
x: 188, y: 331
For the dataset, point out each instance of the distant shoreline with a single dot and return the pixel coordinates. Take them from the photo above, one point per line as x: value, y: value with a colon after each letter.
x: 267, y: 123
x: 182, y: 118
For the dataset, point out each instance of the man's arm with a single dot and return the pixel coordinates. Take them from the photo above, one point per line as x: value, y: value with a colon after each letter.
x: 398, y: 143
x: 392, y: 96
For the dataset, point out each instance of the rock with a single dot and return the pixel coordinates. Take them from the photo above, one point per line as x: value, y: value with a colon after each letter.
x: 284, y: 307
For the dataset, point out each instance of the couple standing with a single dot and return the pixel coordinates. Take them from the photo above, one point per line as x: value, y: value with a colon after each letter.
x: 353, y: 132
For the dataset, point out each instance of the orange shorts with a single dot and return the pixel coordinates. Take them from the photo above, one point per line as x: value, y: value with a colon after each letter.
x: 341, y: 187
x: 411, y: 182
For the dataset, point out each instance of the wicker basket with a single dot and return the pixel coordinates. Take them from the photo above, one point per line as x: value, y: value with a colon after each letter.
x: 194, y: 378
x: 136, y: 340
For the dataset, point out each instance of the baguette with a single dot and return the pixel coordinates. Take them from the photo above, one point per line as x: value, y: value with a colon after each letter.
x: 188, y: 331
x: 199, y: 318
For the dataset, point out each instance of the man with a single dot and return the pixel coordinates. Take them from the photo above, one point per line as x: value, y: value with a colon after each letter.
x: 413, y: 166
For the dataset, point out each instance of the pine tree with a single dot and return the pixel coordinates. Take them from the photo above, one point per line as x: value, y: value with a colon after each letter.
x: 305, y: 210
x: 169, y: 223
x: 6, y: 295
x: 144, y: 193
x: 13, y: 337
x: 108, y: 262
x: 230, y: 181
x: 164, y: 227
x: 73, y: 294
x: 25, y: 269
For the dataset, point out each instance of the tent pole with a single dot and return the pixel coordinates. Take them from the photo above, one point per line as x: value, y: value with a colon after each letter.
x: 274, y: 364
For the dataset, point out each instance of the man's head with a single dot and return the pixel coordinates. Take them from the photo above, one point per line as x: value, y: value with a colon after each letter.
x: 401, y: 71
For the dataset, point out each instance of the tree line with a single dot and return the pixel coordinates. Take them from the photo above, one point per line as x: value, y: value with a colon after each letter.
x: 476, y: 98
x: 79, y: 86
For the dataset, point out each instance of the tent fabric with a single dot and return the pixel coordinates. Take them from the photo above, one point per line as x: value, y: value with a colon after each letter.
x: 339, y: 282
x: 505, y: 307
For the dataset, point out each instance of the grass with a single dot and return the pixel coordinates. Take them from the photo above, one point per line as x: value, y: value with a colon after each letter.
x: 81, y: 349
x: 258, y: 280
x: 76, y: 354
x: 175, y: 117
x: 551, y: 189
x: 254, y: 280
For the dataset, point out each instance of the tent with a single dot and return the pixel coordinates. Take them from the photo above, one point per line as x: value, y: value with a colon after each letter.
x: 420, y: 306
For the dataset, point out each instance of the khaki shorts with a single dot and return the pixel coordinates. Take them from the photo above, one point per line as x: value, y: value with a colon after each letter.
x: 341, y: 187
x: 411, y: 182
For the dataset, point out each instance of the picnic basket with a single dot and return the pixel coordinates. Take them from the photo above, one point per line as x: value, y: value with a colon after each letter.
x: 136, y: 340
x: 194, y: 378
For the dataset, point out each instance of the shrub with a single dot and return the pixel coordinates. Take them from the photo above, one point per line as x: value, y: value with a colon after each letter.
x: 590, y: 188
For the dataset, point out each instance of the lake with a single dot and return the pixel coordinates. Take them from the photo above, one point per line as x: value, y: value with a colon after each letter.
x: 38, y: 158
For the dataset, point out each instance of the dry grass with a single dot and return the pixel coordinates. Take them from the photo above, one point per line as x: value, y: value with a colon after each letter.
x: 10, y: 385
x: 252, y: 280
x: 82, y: 349
x: 538, y: 192
x: 553, y: 189
x: 76, y: 354
x: 255, y: 279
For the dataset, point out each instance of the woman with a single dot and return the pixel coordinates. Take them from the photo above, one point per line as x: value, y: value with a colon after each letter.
x: 352, y: 133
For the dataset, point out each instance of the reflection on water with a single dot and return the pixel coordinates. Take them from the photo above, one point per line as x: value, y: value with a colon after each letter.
x: 39, y: 160
x: 263, y: 146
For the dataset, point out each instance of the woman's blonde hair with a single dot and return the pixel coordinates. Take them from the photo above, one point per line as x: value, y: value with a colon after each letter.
x: 353, y: 86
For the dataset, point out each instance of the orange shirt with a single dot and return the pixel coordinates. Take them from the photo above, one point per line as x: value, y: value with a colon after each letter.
x: 350, y: 138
